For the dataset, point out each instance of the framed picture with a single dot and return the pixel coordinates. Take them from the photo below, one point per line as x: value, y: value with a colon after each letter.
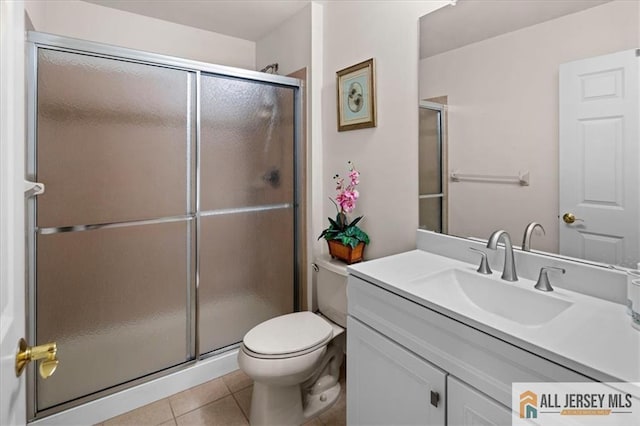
x: 356, y: 96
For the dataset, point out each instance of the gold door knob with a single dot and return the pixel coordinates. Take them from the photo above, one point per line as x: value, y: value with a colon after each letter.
x: 570, y: 218
x: 46, y: 353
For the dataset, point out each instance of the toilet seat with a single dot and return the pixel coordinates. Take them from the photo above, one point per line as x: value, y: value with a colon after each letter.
x: 288, y: 336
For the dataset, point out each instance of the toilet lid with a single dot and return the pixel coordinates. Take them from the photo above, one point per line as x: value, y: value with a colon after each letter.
x: 288, y: 334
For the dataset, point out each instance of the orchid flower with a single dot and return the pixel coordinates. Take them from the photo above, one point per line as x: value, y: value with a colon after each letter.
x: 340, y: 229
x: 347, y: 195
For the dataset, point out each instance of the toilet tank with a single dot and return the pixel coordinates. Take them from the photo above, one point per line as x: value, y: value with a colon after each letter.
x: 331, y: 286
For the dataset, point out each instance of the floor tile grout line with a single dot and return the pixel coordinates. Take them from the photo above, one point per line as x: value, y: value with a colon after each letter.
x: 204, y: 405
x: 241, y: 389
x: 175, y: 420
x: 229, y: 387
x: 239, y: 406
x: 201, y: 406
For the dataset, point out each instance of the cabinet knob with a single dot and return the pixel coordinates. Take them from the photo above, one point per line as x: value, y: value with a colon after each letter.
x: 435, y: 398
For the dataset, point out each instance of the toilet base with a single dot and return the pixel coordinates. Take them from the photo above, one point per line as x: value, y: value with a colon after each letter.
x: 285, y: 399
x: 316, y: 404
x: 289, y: 404
x: 295, y: 404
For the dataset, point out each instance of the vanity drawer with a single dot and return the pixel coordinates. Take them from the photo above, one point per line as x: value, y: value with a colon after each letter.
x: 483, y: 361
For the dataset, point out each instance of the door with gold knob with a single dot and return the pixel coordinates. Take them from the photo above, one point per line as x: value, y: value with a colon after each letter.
x: 599, y: 129
x: 12, y: 279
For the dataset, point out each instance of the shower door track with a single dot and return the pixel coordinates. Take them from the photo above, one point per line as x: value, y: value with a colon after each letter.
x: 36, y: 41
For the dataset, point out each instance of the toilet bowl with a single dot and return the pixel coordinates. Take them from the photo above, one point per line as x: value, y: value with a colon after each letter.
x: 294, y: 359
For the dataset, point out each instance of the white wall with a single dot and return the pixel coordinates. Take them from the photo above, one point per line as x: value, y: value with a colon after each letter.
x: 503, y: 116
x: 101, y: 24
x: 297, y: 44
x: 387, y: 154
x: 289, y: 45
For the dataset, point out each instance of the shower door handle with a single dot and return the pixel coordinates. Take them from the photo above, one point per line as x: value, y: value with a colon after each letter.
x: 33, y: 188
x: 47, y: 353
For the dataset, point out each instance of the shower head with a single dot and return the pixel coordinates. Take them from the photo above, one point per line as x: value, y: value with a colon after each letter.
x: 271, y: 68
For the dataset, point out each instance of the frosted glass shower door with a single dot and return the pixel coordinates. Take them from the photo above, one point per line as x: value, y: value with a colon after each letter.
x: 246, y: 232
x: 114, y: 232
x: 431, y: 189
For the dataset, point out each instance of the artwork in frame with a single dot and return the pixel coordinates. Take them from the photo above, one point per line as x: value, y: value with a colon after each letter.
x: 356, y: 96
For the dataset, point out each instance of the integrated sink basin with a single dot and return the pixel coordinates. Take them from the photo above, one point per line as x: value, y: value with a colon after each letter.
x: 567, y: 327
x: 469, y: 291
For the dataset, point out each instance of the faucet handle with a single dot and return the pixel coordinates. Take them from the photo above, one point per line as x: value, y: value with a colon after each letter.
x: 484, y: 265
x: 543, y: 283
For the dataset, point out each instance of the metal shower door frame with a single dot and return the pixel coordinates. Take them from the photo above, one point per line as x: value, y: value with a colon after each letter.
x: 440, y: 109
x: 36, y: 41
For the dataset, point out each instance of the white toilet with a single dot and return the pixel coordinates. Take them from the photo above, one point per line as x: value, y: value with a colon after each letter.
x: 294, y: 359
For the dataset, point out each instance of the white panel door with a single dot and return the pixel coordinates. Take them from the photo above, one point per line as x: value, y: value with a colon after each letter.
x: 12, y: 327
x: 599, y: 158
x: 470, y: 407
x: 388, y: 385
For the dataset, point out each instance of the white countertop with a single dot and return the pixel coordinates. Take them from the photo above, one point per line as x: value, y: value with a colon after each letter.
x: 593, y: 337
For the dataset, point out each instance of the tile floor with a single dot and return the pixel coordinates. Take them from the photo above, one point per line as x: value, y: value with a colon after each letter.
x: 222, y: 401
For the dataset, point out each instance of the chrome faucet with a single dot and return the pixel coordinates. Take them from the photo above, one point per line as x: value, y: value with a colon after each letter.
x: 509, y: 270
x: 526, y: 240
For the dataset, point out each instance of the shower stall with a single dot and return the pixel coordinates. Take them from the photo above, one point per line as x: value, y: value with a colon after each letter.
x: 432, y: 184
x: 169, y: 224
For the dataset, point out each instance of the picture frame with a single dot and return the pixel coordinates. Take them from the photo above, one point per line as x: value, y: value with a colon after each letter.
x: 356, y: 96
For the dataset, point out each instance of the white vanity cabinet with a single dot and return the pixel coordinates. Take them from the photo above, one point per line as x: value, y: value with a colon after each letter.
x: 468, y: 407
x: 399, y: 351
x: 388, y: 385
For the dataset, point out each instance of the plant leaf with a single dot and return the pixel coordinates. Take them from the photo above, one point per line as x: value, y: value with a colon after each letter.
x: 333, y: 223
x: 356, y: 220
x: 347, y: 241
x: 362, y: 236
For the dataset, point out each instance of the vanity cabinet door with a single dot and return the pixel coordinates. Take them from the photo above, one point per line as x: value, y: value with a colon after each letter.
x: 467, y: 406
x: 387, y: 384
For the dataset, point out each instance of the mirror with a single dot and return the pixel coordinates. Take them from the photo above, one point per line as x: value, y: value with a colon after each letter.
x: 538, y: 120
